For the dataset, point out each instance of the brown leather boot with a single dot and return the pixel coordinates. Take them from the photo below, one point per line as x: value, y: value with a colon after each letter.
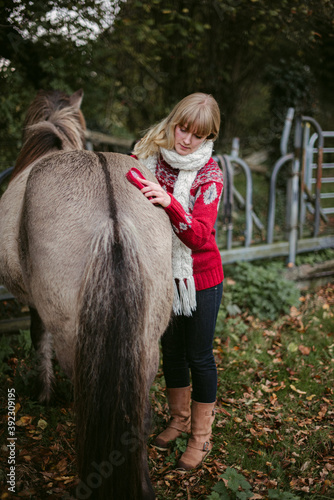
x: 199, y: 445
x: 179, y: 408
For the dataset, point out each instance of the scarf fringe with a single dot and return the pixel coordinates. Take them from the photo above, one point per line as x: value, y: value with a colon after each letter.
x: 184, y: 297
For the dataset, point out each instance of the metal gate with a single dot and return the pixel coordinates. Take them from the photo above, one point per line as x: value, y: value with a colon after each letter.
x: 311, y: 181
x: 327, y: 177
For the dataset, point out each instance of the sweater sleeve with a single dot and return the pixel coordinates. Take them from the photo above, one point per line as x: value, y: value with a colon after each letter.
x: 194, y: 229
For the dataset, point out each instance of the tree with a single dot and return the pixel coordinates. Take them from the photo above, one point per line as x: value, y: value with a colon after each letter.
x: 43, y: 45
x: 222, y: 47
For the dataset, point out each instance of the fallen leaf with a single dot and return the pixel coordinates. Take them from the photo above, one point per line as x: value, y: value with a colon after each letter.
x: 297, y: 390
x: 222, y: 410
x: 278, y: 388
x: 292, y: 347
x: 63, y: 478
x: 259, y: 408
x: 37, y: 438
x: 170, y: 477
x: 23, y: 421
x: 62, y: 465
x: 42, y: 424
x: 305, y: 466
x: 322, y: 412
x: 269, y: 333
x: 265, y: 388
x: 294, y: 312
x: 304, y: 350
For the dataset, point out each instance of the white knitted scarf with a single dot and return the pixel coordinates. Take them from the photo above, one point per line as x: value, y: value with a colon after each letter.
x: 188, y: 166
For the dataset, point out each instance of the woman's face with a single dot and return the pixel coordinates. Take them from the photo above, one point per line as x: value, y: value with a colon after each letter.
x: 185, y: 141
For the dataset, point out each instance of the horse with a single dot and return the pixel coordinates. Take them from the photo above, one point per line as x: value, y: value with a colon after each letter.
x: 91, y: 256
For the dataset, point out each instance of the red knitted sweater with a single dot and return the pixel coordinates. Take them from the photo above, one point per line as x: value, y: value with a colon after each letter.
x: 195, y: 228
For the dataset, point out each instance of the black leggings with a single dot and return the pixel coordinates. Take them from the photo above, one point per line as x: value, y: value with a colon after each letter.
x: 187, y: 345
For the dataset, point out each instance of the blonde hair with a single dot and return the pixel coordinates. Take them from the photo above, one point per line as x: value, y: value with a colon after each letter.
x: 198, y: 112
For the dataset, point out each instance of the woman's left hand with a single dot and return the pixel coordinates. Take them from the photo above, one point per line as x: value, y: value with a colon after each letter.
x: 157, y: 194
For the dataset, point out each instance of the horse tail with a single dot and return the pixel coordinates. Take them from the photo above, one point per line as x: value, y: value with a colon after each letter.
x: 111, y: 391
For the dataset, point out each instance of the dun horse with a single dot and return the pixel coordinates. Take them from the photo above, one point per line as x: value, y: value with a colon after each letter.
x: 92, y: 258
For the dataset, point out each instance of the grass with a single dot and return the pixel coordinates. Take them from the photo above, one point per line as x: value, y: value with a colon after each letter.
x: 274, y: 422
x: 275, y: 404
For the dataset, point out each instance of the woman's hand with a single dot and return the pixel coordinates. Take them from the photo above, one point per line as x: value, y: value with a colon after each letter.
x: 156, y: 192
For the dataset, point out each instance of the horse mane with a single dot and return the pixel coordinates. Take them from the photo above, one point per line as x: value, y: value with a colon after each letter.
x: 53, y: 122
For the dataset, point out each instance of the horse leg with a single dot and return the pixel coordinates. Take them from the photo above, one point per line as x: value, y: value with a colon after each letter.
x: 36, y: 328
x: 42, y: 342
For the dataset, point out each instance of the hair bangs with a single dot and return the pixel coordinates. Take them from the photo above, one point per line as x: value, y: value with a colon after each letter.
x: 199, y: 121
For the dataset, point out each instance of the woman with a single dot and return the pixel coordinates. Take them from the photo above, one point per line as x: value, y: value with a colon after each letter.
x: 178, y: 151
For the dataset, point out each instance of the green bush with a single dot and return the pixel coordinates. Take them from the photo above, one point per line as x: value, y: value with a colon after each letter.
x: 315, y: 257
x: 262, y: 290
